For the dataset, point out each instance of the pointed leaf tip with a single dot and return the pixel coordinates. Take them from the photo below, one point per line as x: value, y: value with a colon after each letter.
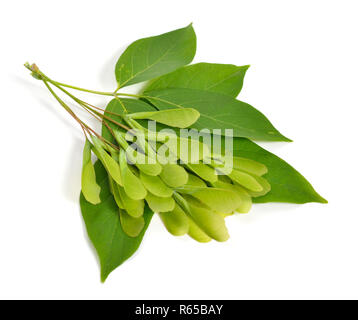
x: 152, y: 57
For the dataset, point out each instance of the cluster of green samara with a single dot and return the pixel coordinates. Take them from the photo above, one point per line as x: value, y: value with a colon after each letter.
x: 140, y: 171
x: 177, y: 177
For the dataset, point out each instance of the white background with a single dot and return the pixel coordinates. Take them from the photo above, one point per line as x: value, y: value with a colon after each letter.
x: 303, y: 76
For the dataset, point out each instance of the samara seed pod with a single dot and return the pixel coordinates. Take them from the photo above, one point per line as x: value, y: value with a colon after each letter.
x: 266, y: 187
x: 132, y: 185
x: 187, y: 150
x: 179, y: 118
x: 155, y: 185
x: 111, y: 166
x: 131, y: 226
x: 114, y: 188
x: 174, y: 175
x: 196, y: 233
x: 175, y: 221
x: 210, y: 222
x: 159, y: 204
x: 224, y: 178
x: 246, y: 180
x: 204, y: 171
x: 218, y: 199
x: 195, y: 181
x: 246, y: 201
x: 135, y: 208
x: 249, y: 166
x: 90, y: 189
x: 143, y: 163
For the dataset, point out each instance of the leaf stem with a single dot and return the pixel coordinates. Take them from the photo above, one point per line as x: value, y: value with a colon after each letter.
x: 35, y: 70
x: 56, y: 83
x: 128, y: 95
x: 64, y: 105
x: 82, y: 89
x: 83, y: 125
x: 86, y: 105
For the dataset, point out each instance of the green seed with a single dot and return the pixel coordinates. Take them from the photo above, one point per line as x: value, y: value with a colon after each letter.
x: 108, y: 162
x: 187, y: 150
x: 155, y: 185
x: 105, y: 146
x: 152, y: 169
x: 180, y: 118
x: 196, y: 233
x: 246, y: 201
x: 195, y: 181
x: 131, y: 183
x: 181, y: 202
x: 163, y: 154
x: 131, y: 226
x: 249, y: 166
x: 143, y: 163
x: 135, y: 208
x: 220, y: 200
x: 224, y: 178
x: 210, y: 222
x: 114, y: 187
x: 174, y: 175
x: 246, y: 180
x: 175, y: 221
x: 203, y: 171
x: 90, y: 188
x: 148, y: 149
x: 159, y: 204
x: 266, y: 187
